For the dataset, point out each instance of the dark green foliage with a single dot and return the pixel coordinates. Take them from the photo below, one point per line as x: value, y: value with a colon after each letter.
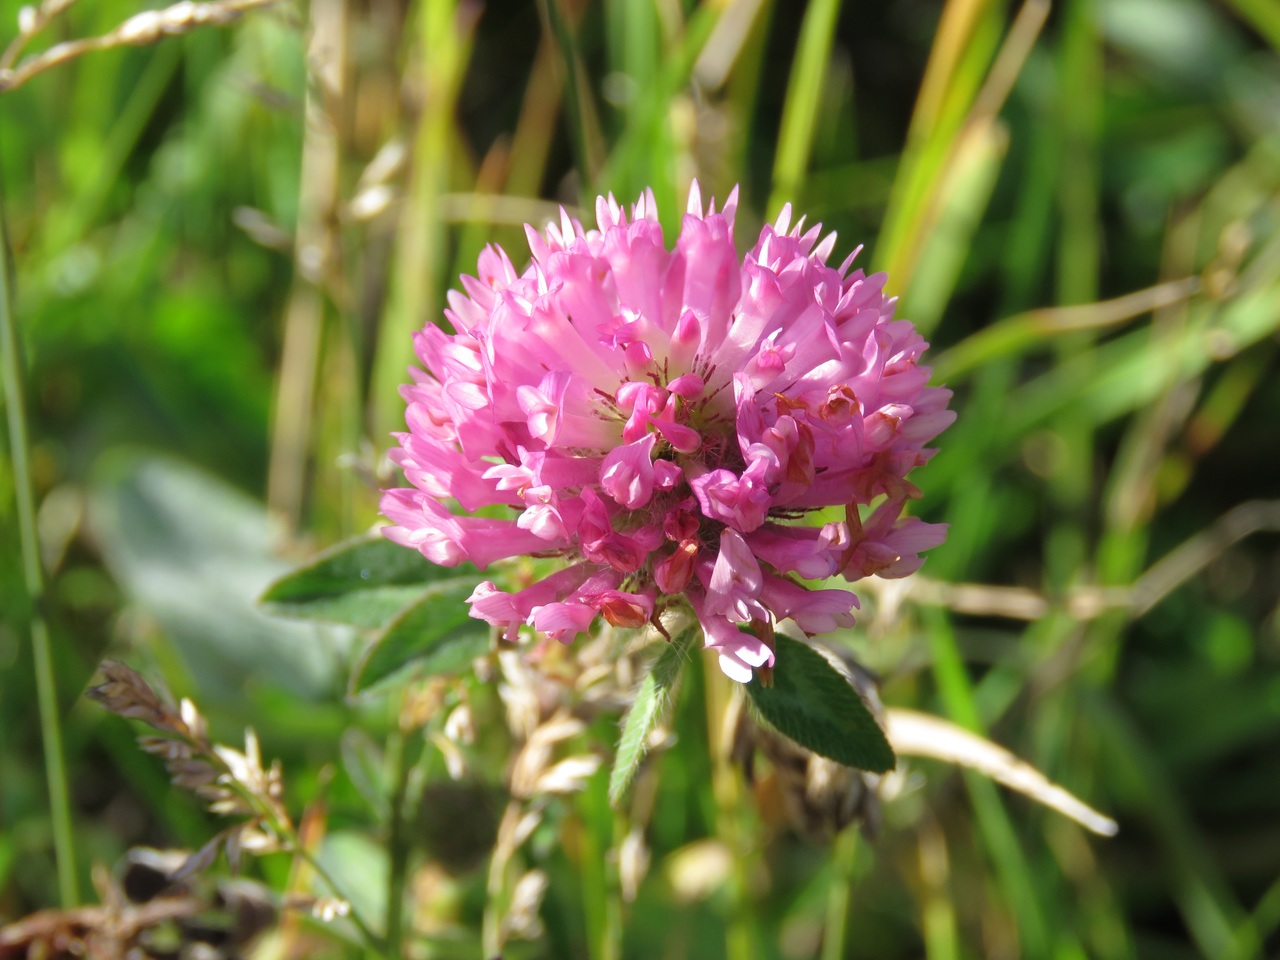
x: 366, y: 582
x: 435, y: 634
x: 814, y: 705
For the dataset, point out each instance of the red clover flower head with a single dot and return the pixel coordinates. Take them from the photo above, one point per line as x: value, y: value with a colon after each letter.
x: 663, y: 420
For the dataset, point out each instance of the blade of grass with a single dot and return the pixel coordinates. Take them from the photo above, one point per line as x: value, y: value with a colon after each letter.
x: 804, y: 96
x: 1118, y: 377
x: 734, y: 824
x: 33, y: 577
x: 734, y: 58
x: 602, y: 829
x: 1028, y: 247
x: 1131, y: 494
x: 633, y: 48
x: 844, y: 858
x: 1070, y: 485
x: 538, y: 112
x: 445, y: 33
x: 970, y: 177
x: 584, y: 126
x: 1080, y: 113
x: 1252, y: 934
x: 314, y: 252
x: 972, y: 102
x: 77, y: 213
x: 406, y: 751
x: 733, y: 37
x: 961, y: 50
x: 630, y: 166
x: 938, y: 913
x: 1205, y: 899
x: 964, y: 478
x: 998, y: 835
x: 1017, y: 334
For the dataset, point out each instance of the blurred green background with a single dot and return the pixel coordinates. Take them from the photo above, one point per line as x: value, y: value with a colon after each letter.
x: 221, y: 242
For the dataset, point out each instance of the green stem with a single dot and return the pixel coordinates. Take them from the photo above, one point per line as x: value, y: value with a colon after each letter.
x: 804, y: 97
x: 585, y: 149
x: 730, y: 818
x: 46, y: 689
x: 397, y: 845
x: 843, y: 858
x: 601, y: 888
x: 611, y: 945
x: 412, y: 771
x: 496, y: 893
x: 374, y: 942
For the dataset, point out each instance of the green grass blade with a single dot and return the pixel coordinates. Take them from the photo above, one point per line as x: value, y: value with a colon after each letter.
x: 33, y: 576
x: 584, y: 127
x: 994, y: 827
x: 962, y: 49
x: 422, y: 253
x: 804, y: 96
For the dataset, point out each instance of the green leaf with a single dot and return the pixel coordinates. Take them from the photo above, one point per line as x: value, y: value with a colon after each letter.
x: 364, y: 582
x: 366, y: 766
x: 195, y: 554
x: 815, y: 706
x: 646, y: 711
x: 435, y: 635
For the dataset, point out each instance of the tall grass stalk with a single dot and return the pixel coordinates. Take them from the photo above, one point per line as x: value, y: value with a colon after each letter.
x: 938, y: 913
x: 397, y: 841
x: 443, y: 50
x: 33, y: 575
x: 584, y: 129
x: 843, y: 860
x: 731, y: 817
x: 804, y: 96
x: 601, y: 892
x: 997, y: 832
x: 315, y: 250
x: 960, y: 52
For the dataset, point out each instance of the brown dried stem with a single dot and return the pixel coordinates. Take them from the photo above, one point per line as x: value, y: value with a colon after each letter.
x: 139, y: 30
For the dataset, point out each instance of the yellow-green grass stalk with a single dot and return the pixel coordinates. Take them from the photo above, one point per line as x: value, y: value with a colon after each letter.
x: 443, y: 51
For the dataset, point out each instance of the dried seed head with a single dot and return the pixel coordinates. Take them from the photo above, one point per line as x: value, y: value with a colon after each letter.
x: 124, y: 692
x: 522, y: 921
x: 633, y: 863
x: 233, y: 783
